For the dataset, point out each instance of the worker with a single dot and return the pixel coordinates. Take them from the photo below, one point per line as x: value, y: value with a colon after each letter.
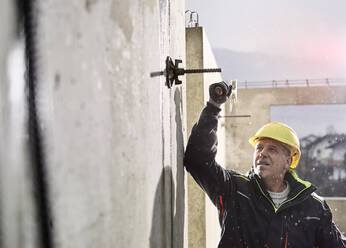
x: 270, y: 206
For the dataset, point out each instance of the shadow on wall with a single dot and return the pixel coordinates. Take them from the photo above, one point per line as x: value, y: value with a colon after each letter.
x: 167, y: 226
x: 178, y: 226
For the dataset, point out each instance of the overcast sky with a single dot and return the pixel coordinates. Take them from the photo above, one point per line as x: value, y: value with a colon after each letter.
x: 308, y: 29
x: 298, y: 28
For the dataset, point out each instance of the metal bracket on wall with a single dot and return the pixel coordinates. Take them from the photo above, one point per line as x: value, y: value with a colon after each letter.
x: 172, y: 72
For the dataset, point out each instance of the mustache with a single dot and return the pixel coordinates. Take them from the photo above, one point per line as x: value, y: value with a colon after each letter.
x: 262, y: 162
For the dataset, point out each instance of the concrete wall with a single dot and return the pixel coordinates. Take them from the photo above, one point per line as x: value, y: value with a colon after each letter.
x: 203, y: 226
x: 257, y: 102
x: 113, y: 136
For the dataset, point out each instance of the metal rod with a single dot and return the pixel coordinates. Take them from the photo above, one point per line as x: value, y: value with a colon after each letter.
x: 210, y: 70
x: 202, y: 70
x: 156, y: 73
x: 234, y: 116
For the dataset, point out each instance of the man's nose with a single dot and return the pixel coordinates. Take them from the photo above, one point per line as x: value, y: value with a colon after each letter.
x: 263, y: 153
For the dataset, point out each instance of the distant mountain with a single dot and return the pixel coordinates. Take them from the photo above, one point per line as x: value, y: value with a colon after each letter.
x: 257, y: 67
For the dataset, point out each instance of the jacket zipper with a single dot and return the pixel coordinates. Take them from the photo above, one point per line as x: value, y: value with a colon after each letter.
x: 271, y: 202
x: 284, y: 229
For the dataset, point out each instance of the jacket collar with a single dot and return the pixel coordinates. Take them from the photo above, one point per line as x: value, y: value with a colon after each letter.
x: 291, y: 177
x: 300, y: 189
x: 297, y: 184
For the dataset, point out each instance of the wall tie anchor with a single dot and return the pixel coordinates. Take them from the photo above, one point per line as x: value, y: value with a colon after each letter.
x: 172, y: 72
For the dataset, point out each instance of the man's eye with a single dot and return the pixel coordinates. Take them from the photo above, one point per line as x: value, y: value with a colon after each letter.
x: 273, y: 149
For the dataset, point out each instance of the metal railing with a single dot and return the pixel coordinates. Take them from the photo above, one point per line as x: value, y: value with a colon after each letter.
x: 293, y: 83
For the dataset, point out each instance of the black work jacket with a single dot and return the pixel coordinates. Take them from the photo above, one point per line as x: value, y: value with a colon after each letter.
x: 247, y: 214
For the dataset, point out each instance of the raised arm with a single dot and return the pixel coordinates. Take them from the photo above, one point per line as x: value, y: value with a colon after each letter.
x: 200, y: 154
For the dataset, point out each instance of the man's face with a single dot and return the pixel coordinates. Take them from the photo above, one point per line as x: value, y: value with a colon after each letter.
x: 271, y: 159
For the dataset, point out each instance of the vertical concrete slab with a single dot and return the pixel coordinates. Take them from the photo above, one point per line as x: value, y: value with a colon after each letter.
x: 114, y: 136
x: 257, y: 102
x: 338, y: 207
x: 203, y: 228
x: 195, y: 101
x: 213, y: 230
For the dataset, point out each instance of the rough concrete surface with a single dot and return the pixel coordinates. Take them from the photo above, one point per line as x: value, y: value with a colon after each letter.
x: 114, y: 136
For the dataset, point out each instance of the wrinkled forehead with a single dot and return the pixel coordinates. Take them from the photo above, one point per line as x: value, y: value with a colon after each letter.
x: 264, y: 140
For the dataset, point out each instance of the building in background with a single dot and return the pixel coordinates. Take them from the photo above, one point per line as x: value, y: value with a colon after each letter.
x: 323, y: 163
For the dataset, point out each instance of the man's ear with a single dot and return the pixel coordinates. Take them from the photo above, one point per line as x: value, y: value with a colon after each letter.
x: 289, y: 162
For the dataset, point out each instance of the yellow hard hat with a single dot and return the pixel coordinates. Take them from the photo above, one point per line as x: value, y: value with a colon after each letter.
x: 284, y: 134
